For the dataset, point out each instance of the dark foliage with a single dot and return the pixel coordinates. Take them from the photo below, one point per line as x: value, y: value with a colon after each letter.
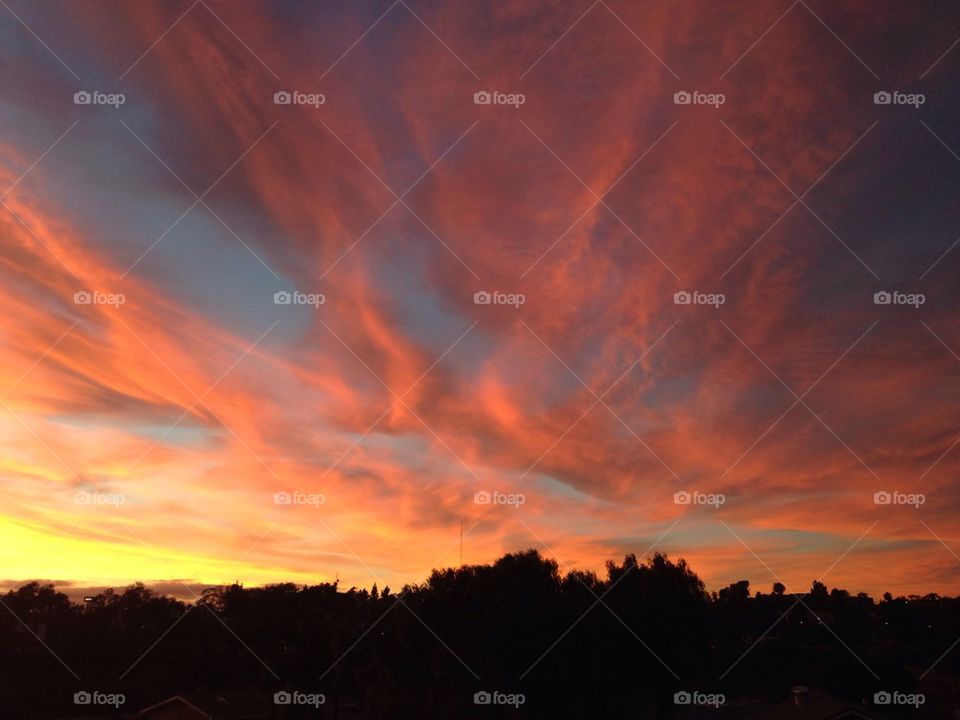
x: 575, y: 646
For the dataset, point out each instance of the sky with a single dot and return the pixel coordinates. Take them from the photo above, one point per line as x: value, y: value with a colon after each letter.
x: 166, y: 417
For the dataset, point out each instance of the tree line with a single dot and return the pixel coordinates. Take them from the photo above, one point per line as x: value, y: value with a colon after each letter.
x: 616, y: 645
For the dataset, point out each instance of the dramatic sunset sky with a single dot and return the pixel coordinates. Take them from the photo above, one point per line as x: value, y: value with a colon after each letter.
x: 397, y: 199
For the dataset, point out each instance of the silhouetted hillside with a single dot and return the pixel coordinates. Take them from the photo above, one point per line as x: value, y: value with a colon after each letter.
x: 540, y: 645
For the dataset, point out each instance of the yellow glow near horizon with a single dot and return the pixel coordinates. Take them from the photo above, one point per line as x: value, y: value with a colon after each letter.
x: 27, y: 553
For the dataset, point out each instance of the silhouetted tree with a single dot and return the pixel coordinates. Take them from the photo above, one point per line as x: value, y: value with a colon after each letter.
x: 618, y: 643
